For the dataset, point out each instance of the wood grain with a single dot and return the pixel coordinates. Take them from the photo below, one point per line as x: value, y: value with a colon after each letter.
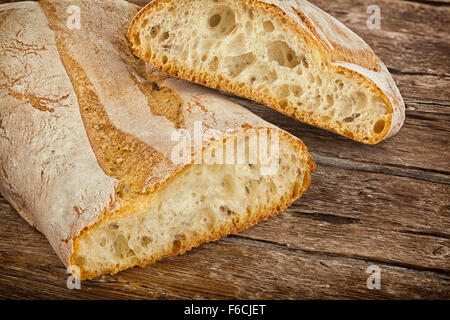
x: 234, y: 267
x: 386, y: 205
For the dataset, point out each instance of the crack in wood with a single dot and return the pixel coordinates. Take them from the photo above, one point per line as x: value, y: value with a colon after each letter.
x: 436, y: 176
x: 430, y: 3
x: 417, y: 73
x: 429, y: 234
x: 271, y: 245
x: 343, y: 220
x: 330, y: 218
x: 428, y: 103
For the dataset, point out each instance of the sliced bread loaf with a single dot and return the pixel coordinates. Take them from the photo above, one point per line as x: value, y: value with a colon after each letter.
x: 118, y: 165
x: 289, y: 55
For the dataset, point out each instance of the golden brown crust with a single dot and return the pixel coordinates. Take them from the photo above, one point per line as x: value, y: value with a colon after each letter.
x: 341, y: 50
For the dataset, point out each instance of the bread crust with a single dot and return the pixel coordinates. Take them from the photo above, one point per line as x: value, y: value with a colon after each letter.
x: 340, y: 49
x: 82, y: 142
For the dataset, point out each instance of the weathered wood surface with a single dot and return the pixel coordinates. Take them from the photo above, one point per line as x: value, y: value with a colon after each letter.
x: 386, y: 205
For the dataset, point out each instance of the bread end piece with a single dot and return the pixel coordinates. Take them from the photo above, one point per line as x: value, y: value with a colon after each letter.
x: 290, y: 56
x: 198, y: 204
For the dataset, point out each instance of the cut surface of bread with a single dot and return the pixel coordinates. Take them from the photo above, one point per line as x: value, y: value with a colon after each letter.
x: 202, y: 203
x: 118, y: 164
x: 289, y: 55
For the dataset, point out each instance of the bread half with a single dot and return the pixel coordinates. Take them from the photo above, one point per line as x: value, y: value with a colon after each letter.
x: 117, y: 164
x: 289, y: 55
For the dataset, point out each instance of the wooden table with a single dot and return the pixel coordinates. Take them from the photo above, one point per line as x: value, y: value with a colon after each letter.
x: 385, y: 205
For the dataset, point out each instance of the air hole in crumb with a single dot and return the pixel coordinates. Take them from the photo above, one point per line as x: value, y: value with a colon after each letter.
x: 225, y: 210
x: 330, y: 100
x: 164, y: 59
x: 176, y: 246
x: 214, y: 20
x: 114, y: 226
x: 154, y: 31
x: 379, y: 126
x: 164, y: 36
x: 280, y: 52
x: 283, y: 91
x: 121, y: 245
x: 352, y: 117
x: 137, y: 39
x: 319, y: 80
x: 268, y: 26
x: 214, y: 64
x: 145, y: 241
x: 237, y: 64
x: 296, y: 91
x: 222, y: 21
x: 251, y: 14
x: 305, y: 63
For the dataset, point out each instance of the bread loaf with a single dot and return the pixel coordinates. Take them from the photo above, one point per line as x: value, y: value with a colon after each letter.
x: 289, y: 55
x: 95, y: 148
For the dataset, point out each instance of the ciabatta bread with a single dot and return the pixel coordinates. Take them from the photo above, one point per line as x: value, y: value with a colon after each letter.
x: 289, y: 55
x: 91, y: 143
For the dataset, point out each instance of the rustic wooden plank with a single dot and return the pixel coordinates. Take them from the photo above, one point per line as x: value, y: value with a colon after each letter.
x: 402, y: 203
x: 403, y: 221
x: 409, y: 40
x: 356, y: 238
x: 423, y: 88
x: 230, y: 268
x: 408, y: 52
x: 398, y: 16
x: 410, y: 232
x: 431, y: 2
x: 386, y: 204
